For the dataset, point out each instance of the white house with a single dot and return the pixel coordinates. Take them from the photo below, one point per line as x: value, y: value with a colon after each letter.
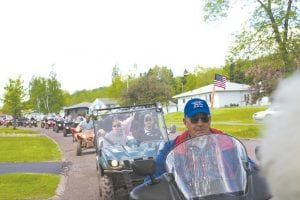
x: 102, y: 103
x: 171, y: 107
x: 234, y: 94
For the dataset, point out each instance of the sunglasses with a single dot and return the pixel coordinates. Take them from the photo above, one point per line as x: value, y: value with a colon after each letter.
x: 203, y: 117
x: 116, y: 125
x: 148, y: 120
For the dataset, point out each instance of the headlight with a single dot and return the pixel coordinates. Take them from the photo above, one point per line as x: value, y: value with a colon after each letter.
x: 114, y: 163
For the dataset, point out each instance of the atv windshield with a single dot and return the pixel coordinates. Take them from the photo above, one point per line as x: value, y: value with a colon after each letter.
x: 132, y: 128
x: 209, y: 165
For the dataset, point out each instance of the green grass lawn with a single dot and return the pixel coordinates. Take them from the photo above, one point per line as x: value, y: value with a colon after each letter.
x: 236, y: 121
x: 10, y: 130
x: 28, y: 149
x: 15, y: 147
x: 28, y: 186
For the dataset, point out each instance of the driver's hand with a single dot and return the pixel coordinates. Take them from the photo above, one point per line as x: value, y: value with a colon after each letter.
x: 101, y: 132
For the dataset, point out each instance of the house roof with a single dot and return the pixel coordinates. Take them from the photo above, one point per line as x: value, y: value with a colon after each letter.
x: 106, y: 101
x: 171, y: 103
x: 230, y: 86
x: 80, y: 105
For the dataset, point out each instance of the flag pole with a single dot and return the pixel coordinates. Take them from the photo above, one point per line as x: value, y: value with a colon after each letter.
x: 212, y: 98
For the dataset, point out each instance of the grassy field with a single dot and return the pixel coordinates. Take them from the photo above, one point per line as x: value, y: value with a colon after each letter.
x: 10, y: 130
x: 236, y: 121
x: 28, y: 149
x: 25, y: 145
x: 27, y: 186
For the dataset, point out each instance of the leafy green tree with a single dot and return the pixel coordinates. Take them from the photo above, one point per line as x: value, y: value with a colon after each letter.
x: 237, y: 70
x: 45, y: 94
x: 117, y: 86
x: 14, y: 97
x: 202, y: 76
x: 66, y: 97
x: 54, y: 94
x: 162, y: 73
x: 264, y: 74
x: 147, y: 89
x: 37, y: 94
x: 272, y: 28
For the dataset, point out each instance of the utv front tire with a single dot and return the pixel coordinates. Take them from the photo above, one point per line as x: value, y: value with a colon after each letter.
x: 65, y: 133
x: 78, y: 148
x: 106, y: 188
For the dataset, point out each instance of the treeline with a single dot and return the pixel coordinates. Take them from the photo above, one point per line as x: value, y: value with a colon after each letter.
x: 45, y: 95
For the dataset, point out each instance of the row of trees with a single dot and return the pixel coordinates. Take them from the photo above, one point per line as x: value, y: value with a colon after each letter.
x: 43, y: 95
x: 266, y: 50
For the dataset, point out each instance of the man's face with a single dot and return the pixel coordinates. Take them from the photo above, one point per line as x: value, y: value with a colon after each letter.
x: 198, y: 124
x: 148, y: 122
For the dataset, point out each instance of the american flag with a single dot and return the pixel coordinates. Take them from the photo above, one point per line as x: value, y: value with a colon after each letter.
x: 220, y: 81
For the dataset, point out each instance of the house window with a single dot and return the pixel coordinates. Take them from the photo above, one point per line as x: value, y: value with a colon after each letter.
x: 183, y: 100
x: 247, y: 98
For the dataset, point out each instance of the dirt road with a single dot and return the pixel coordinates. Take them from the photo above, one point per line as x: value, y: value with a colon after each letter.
x: 80, y: 181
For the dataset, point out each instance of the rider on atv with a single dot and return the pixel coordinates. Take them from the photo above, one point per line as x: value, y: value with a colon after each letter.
x: 86, y: 124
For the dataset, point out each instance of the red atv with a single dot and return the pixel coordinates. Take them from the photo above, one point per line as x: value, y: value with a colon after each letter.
x: 50, y: 123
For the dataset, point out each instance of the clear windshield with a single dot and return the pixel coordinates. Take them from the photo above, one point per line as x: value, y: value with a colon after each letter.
x: 139, y: 125
x: 208, y: 165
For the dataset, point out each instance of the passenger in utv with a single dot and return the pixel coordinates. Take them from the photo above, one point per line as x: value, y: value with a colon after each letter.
x: 116, y: 135
x: 147, y: 131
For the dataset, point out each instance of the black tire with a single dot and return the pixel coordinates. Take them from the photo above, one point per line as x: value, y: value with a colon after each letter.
x: 65, y: 133
x: 106, y: 188
x: 78, y: 148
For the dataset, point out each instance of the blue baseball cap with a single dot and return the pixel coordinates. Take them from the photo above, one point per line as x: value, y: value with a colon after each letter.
x: 195, y: 106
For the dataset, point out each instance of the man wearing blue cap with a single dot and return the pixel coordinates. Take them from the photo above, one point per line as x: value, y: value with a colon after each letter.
x: 197, y: 122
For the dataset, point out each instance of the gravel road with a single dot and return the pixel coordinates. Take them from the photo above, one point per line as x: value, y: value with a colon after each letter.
x: 80, y: 180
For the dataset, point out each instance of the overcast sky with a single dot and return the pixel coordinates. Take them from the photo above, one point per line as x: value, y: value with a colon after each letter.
x: 84, y: 39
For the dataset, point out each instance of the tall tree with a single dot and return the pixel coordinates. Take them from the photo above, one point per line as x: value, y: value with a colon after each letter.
x: 147, y: 89
x: 264, y: 73
x: 37, y: 94
x: 54, y: 94
x: 14, y: 97
x: 237, y: 70
x: 273, y: 26
x: 117, y: 86
x: 162, y: 73
x: 202, y: 76
x: 45, y: 94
